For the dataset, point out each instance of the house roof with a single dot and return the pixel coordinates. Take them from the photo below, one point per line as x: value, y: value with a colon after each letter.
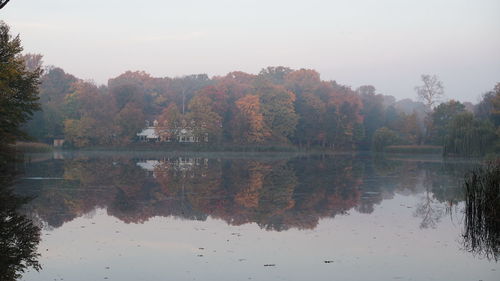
x: 149, y: 133
x: 149, y: 165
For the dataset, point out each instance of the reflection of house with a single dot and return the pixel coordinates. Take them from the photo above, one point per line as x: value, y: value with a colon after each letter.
x: 175, y: 164
x: 185, y: 135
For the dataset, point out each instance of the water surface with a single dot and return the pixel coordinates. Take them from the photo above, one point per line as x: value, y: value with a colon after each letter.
x: 149, y: 216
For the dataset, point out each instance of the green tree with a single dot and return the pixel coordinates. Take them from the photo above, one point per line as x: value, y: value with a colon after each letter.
x: 18, y: 87
x: 19, y: 236
x: 469, y: 136
x: 440, y: 119
x: 373, y: 112
x: 489, y: 107
x: 384, y: 137
x: 49, y: 122
x: 310, y: 127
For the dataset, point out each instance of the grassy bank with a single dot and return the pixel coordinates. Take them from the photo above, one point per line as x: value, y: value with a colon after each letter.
x: 177, y: 147
x: 32, y: 147
x: 414, y: 149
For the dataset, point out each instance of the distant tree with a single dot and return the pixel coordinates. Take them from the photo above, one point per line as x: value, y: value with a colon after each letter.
x: 384, y: 137
x: 48, y: 123
x: 203, y: 120
x: 79, y: 132
x: 252, y: 128
x: 431, y: 91
x: 348, y: 116
x: 170, y: 122
x: 441, y: 118
x: 303, y: 81
x: 275, y: 74
x: 277, y: 106
x: 311, y: 124
x: 469, y: 136
x: 127, y: 93
x: 18, y: 87
x: 489, y: 107
x: 129, y: 121
x: 33, y: 62
x: 373, y: 112
x: 186, y: 88
x: 366, y: 90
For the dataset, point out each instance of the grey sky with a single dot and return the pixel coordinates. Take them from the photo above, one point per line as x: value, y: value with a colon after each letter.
x: 386, y: 43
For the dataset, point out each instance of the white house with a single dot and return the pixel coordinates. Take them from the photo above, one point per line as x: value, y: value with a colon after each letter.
x: 149, y: 133
x: 184, y: 135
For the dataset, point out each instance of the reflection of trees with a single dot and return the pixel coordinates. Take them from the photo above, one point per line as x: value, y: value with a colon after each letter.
x: 437, y: 182
x: 441, y: 182
x: 277, y: 194
x: 482, y: 211
x: 19, y: 236
x: 429, y: 209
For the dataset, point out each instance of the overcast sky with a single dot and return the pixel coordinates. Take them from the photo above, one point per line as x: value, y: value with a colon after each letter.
x: 385, y: 43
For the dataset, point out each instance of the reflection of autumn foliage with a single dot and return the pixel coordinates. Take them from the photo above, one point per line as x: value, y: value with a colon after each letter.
x: 237, y: 191
x: 277, y: 194
x: 248, y: 196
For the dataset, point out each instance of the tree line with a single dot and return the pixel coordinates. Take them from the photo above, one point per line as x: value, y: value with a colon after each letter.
x: 277, y: 106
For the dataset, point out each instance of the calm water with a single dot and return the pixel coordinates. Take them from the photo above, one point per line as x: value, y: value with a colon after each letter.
x: 127, y: 216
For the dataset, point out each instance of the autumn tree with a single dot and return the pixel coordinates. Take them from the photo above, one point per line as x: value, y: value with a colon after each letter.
x: 347, y: 118
x: 79, y: 132
x: 170, y: 122
x: 277, y: 106
x: 410, y: 129
x: 90, y: 115
x: 252, y: 127
x: 275, y: 74
x: 203, y: 120
x: 129, y: 121
x: 302, y: 81
x: 186, y: 87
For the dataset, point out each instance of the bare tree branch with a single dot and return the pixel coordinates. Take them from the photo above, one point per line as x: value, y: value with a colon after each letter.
x: 3, y: 3
x: 431, y: 91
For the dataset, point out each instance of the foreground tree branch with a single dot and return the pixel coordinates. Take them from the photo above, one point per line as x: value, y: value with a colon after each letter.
x: 3, y: 3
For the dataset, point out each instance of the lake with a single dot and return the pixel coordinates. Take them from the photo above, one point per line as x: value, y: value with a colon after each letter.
x: 153, y: 216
